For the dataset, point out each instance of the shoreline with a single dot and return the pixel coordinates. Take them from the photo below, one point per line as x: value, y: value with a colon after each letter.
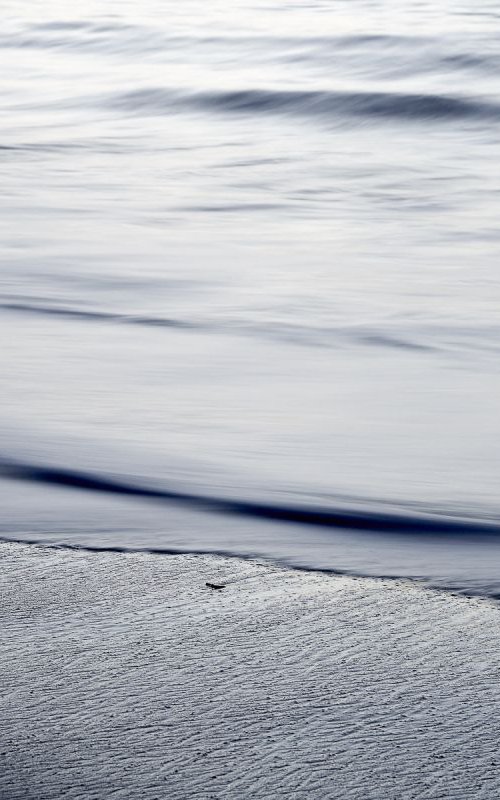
x: 264, y: 561
x: 126, y: 675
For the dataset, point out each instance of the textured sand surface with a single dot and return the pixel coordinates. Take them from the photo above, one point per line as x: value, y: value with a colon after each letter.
x: 124, y: 676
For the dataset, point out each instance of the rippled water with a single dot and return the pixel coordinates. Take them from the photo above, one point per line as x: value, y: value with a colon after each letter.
x: 250, y: 294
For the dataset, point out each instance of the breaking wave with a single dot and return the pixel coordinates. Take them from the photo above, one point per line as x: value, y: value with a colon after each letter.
x: 326, y: 104
x: 318, y: 516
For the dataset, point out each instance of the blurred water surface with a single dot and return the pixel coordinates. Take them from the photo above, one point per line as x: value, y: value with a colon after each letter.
x: 250, y: 251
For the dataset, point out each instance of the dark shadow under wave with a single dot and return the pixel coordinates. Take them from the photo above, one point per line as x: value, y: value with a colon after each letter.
x: 329, y: 104
x: 318, y: 516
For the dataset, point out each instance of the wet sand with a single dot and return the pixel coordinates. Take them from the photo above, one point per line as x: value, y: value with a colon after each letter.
x: 126, y: 676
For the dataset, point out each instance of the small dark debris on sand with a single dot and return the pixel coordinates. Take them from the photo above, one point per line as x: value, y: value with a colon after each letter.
x: 216, y: 585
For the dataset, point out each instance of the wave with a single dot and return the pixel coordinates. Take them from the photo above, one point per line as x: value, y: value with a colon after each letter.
x: 98, y: 316
x: 420, y: 53
x: 451, y: 338
x: 318, y: 516
x: 137, y: 38
x: 86, y: 33
x: 302, y: 335
x: 327, y: 104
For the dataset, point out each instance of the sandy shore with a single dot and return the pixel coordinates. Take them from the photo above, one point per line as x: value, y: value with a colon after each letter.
x: 125, y: 676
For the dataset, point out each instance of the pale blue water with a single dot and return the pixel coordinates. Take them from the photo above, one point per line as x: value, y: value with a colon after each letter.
x: 249, y: 295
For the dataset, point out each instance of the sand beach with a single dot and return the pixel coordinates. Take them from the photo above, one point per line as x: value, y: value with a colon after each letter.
x: 126, y: 676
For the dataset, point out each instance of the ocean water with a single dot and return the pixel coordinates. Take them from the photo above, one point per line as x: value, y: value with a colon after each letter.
x: 249, y: 297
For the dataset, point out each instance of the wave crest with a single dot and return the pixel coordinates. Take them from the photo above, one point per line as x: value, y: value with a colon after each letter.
x: 327, y: 104
x: 318, y: 516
